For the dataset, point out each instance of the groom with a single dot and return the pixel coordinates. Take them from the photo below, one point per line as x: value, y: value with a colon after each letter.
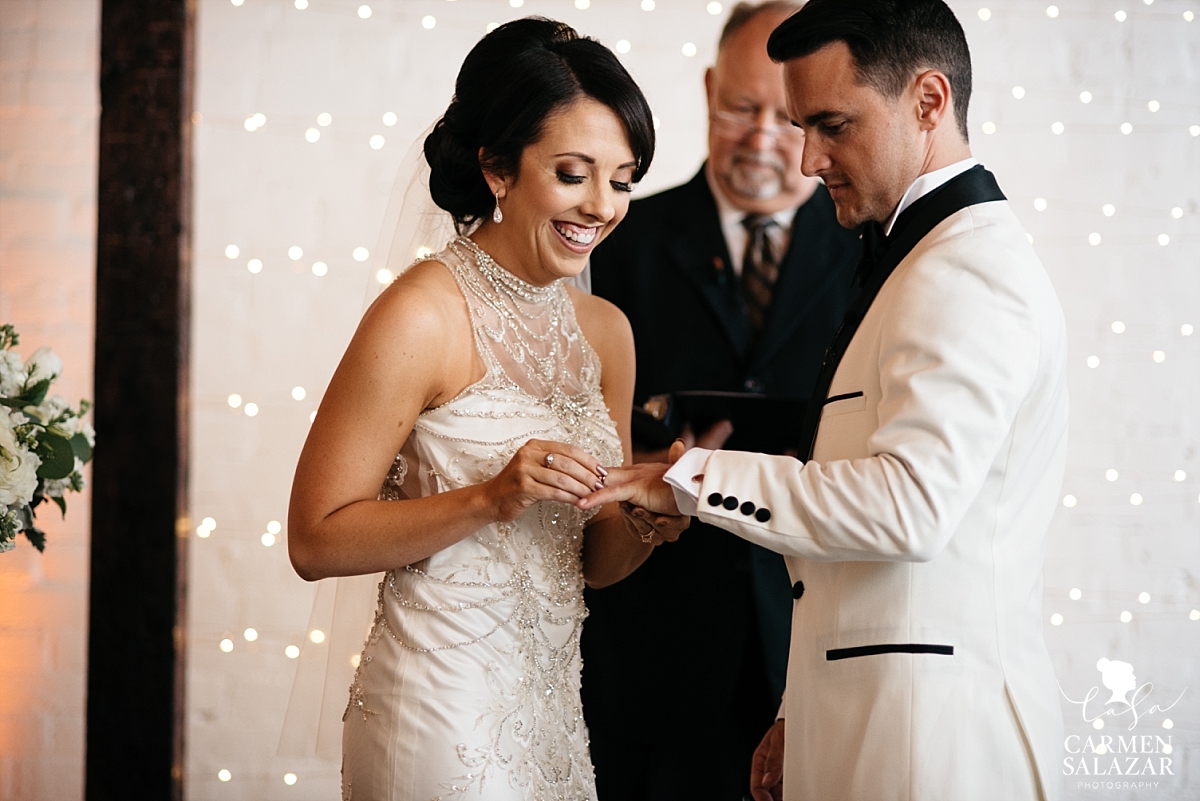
x: 914, y: 532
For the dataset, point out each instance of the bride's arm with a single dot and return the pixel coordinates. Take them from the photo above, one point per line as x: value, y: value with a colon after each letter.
x: 413, y: 350
x: 611, y: 549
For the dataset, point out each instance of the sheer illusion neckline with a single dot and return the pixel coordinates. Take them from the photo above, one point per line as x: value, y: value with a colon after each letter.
x: 501, y: 275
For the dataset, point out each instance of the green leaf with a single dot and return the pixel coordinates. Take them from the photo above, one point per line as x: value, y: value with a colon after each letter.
x: 61, y: 503
x: 34, y: 395
x: 13, y: 403
x: 37, y: 537
x: 58, y: 457
x: 83, y: 451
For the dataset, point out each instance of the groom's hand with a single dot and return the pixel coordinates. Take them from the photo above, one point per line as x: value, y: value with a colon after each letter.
x: 766, y: 771
x: 640, y: 485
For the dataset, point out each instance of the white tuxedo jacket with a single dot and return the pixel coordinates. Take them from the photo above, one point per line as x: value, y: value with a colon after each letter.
x: 920, y: 522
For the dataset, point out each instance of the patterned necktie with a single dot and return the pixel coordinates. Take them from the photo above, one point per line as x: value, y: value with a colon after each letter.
x: 760, y: 268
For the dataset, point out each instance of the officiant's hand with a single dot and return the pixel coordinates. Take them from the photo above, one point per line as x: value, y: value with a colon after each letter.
x: 654, y: 529
x: 640, y: 485
x: 766, y: 770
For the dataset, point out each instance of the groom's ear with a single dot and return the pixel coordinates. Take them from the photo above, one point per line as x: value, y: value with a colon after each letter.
x: 935, y: 105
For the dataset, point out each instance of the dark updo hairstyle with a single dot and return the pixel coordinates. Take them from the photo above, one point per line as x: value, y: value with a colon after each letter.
x: 511, y: 81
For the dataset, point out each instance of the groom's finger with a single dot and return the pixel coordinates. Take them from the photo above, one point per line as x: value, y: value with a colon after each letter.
x: 613, y: 492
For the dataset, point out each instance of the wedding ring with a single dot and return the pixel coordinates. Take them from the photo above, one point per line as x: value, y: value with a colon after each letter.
x: 648, y: 537
x: 549, y: 460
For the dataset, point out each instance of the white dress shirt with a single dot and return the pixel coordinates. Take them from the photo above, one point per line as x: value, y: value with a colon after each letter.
x: 684, y: 474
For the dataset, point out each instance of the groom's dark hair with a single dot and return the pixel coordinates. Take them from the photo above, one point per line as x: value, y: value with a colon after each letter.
x: 890, y: 41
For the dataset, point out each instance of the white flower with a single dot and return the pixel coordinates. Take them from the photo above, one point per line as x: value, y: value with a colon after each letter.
x: 18, y: 467
x: 43, y: 364
x: 89, y: 433
x: 12, y: 373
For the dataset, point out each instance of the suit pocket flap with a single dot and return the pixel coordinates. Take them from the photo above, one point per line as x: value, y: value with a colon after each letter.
x: 844, y: 404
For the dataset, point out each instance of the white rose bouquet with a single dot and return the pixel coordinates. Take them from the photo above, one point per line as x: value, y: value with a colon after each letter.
x: 44, y: 443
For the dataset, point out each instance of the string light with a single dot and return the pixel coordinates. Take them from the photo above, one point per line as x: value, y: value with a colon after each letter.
x: 1093, y: 362
x: 1057, y: 128
x: 250, y: 634
x: 428, y: 22
x: 1039, y: 204
x: 268, y: 539
x: 1154, y: 106
x: 224, y: 775
x: 516, y: 3
x: 714, y: 8
x: 1108, y: 209
x: 1180, y: 475
x: 234, y: 400
x: 988, y: 127
x: 985, y: 14
x: 1018, y: 92
x: 647, y: 5
x: 254, y: 266
x: 689, y: 49
x: 1144, y: 598
x: 274, y: 527
x: 289, y: 779
x: 622, y: 46
x: 1126, y: 617
x: 301, y: 4
x: 1136, y: 499
x: 1075, y: 594
x: 1052, y: 12
x: 317, y: 636
x: 1159, y: 356
x: 355, y: 660
x: 312, y: 416
x: 361, y: 254
x: 384, y: 276
x: 1164, y: 240
x: 1069, y: 501
x: 390, y: 119
x: 376, y: 142
x: 1118, y: 327
x: 1120, y: 16
x: 324, y: 119
x: 291, y: 651
x: 206, y: 527
x: 231, y: 251
x: 1188, y: 16
x: 1056, y: 619
x: 1176, y: 212
x: 1093, y: 239
x: 583, y: 5
x: 251, y: 409
x: 320, y: 268
x: 364, y: 12
x: 1126, y: 128
x: 298, y: 393
x: 226, y: 645
x: 1111, y: 474
x: 1085, y: 96
x: 1194, y: 130
x: 295, y: 253
x: 1186, y: 329
x: 237, y: 2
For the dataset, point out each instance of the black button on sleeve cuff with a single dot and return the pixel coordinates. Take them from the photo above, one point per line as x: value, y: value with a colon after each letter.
x: 762, y: 515
x: 715, y: 499
x: 747, y: 508
x: 731, y: 503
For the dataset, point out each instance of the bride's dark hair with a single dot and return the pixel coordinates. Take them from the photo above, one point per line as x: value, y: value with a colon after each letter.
x: 510, y: 82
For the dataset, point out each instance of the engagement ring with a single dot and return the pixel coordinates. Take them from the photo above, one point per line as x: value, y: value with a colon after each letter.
x: 549, y: 459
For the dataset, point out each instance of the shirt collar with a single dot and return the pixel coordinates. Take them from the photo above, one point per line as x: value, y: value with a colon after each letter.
x: 925, y: 184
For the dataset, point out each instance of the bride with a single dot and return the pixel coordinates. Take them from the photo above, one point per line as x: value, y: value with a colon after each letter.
x: 485, y: 396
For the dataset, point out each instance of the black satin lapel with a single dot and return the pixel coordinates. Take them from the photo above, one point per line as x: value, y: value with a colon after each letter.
x: 700, y: 253
x: 972, y: 187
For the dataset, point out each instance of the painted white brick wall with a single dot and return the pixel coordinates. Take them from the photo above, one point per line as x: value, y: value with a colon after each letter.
x: 49, y: 107
x: 261, y: 334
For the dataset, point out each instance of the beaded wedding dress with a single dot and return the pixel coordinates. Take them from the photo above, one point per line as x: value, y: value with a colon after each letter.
x: 468, y: 686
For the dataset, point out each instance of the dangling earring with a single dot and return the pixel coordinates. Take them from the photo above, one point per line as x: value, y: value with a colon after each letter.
x: 497, y: 215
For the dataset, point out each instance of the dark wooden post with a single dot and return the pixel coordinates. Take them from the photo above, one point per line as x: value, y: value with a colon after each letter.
x: 135, y: 710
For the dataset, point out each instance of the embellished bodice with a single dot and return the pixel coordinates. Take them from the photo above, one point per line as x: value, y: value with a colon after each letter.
x: 510, y: 596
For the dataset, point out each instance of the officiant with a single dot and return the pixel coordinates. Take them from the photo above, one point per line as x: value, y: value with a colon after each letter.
x: 735, y: 281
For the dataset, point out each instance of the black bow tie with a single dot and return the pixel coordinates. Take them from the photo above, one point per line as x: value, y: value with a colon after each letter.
x: 875, y: 245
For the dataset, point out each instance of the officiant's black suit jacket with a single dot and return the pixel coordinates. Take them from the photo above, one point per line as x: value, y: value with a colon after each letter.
x: 684, y: 661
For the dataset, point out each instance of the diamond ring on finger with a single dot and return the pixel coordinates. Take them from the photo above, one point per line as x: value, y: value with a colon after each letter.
x: 549, y: 460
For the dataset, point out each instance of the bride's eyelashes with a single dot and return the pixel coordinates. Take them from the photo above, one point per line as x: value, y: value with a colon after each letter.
x: 571, y: 178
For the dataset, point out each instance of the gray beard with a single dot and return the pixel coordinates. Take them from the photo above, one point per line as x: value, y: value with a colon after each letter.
x: 756, y: 178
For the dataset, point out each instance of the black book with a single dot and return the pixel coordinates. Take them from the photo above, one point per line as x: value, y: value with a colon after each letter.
x: 761, y: 423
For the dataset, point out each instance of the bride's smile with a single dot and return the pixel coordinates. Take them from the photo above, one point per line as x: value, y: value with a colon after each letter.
x: 571, y: 189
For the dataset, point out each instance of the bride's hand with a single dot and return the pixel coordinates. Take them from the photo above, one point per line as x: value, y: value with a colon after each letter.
x: 543, y: 471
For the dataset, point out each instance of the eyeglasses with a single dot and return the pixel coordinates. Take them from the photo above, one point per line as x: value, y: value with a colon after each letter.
x: 739, y: 126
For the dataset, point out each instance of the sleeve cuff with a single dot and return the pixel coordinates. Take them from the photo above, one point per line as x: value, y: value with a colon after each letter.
x: 685, y: 477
